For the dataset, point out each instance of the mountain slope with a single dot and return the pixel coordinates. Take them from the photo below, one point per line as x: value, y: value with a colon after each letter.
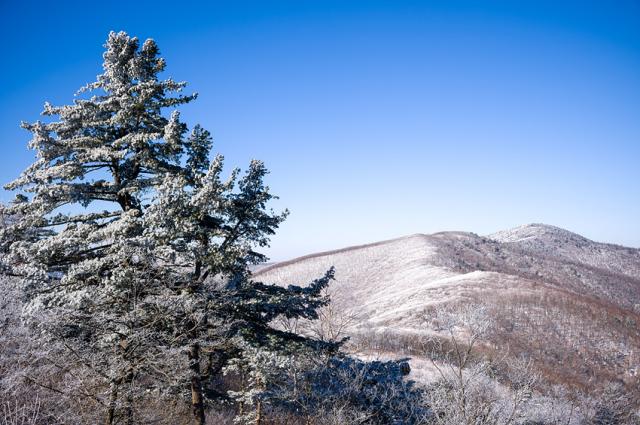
x: 549, y: 241
x: 570, y: 304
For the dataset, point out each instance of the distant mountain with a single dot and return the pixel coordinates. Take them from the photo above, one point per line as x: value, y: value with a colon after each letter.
x: 549, y: 241
x: 569, y: 303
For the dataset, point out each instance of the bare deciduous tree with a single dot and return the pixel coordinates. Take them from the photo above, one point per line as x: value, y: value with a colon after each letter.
x: 466, y: 391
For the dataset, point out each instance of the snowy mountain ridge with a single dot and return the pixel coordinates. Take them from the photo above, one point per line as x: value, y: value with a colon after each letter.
x: 545, y: 240
x: 548, y: 291
x: 534, y: 230
x: 431, y: 268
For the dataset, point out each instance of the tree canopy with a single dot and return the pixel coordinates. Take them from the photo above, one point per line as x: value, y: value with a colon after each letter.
x: 135, y: 250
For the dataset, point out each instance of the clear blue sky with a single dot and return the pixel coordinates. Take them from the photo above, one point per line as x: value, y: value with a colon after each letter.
x: 377, y: 119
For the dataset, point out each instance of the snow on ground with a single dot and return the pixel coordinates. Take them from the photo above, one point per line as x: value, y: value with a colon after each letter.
x: 391, y: 283
x: 545, y: 240
x: 548, y: 293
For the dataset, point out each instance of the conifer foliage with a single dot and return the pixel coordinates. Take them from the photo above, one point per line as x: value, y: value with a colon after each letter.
x: 135, y: 249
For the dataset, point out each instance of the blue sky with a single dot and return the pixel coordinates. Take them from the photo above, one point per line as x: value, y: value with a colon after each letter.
x: 377, y: 119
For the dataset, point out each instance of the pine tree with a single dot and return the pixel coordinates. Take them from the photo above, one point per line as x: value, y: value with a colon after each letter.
x: 136, y: 249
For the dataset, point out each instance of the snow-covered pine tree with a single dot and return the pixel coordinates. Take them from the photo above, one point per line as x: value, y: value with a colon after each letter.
x: 134, y: 247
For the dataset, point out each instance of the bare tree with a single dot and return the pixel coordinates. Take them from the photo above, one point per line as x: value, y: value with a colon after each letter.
x: 466, y: 391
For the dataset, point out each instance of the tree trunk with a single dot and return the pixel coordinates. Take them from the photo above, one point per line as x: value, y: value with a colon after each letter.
x: 259, y: 413
x: 113, y: 397
x: 197, y: 402
x: 129, y: 411
x: 128, y: 407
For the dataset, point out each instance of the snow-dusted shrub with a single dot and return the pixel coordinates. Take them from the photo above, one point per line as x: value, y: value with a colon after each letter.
x: 325, y: 389
x: 466, y: 390
x: 614, y: 407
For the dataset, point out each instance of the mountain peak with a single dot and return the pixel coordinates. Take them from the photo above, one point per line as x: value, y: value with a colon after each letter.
x: 534, y: 231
